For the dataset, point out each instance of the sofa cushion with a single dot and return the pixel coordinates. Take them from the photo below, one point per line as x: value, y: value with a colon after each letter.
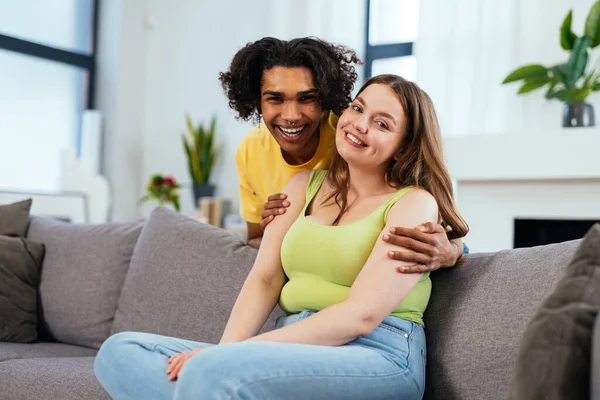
x: 82, y: 275
x: 10, y: 351
x: 14, y: 218
x: 183, y: 280
x: 477, y: 314
x: 50, y: 378
x: 554, y: 357
x: 20, y: 261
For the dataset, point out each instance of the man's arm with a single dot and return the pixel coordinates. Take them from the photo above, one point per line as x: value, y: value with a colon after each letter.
x: 250, y: 202
x: 255, y: 234
x: 276, y: 205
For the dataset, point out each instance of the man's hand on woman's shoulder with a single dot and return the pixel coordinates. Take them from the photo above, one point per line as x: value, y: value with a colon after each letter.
x: 428, y: 248
x: 275, y: 205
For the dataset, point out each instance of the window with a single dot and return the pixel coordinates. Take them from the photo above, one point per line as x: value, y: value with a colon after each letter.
x: 392, y: 28
x: 47, y: 74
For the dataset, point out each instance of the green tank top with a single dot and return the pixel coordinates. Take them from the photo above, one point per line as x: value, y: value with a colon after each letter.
x: 322, y: 261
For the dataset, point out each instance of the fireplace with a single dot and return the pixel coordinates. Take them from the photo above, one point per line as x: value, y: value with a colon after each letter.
x: 536, y: 232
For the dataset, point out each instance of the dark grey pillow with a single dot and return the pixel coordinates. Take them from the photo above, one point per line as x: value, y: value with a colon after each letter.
x: 20, y: 261
x: 554, y: 356
x: 14, y: 218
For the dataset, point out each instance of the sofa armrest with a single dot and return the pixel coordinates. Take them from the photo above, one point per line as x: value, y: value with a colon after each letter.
x: 595, y: 362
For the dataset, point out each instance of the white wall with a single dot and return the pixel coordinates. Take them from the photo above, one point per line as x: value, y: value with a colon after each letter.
x: 122, y: 47
x: 338, y: 21
x: 159, y: 60
x: 189, y: 44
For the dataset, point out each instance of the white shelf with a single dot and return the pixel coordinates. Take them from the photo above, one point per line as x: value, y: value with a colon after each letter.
x: 568, y: 154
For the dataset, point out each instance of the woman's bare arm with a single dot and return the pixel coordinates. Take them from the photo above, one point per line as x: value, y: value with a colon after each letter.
x: 262, y: 287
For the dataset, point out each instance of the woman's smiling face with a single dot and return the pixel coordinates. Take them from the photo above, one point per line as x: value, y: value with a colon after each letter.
x: 371, y: 130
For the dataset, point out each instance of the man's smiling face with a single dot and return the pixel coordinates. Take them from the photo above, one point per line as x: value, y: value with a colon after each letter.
x: 291, y: 110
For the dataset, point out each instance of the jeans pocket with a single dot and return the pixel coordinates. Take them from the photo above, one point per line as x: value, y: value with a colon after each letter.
x: 400, y: 331
x: 424, y: 357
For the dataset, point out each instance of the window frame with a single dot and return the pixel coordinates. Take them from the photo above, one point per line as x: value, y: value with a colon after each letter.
x: 66, y: 57
x: 382, y: 51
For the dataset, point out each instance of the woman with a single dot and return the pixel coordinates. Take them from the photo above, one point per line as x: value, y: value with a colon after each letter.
x: 355, y: 329
x: 298, y: 88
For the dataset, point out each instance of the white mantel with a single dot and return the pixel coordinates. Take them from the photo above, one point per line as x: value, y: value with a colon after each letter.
x: 500, y: 177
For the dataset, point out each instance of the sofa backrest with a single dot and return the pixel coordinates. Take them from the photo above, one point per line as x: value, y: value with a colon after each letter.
x: 82, y: 275
x: 477, y: 315
x: 184, y: 279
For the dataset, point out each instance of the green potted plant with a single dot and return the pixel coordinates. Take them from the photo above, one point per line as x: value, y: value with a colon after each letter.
x: 199, y: 146
x: 570, y: 82
x: 163, y: 189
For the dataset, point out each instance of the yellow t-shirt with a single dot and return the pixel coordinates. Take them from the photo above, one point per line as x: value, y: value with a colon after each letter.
x: 262, y: 170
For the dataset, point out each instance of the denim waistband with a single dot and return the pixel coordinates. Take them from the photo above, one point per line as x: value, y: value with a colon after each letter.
x: 394, y: 322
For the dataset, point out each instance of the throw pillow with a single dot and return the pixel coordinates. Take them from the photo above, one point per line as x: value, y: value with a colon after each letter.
x: 20, y: 261
x: 184, y: 279
x: 14, y: 218
x: 554, y: 356
x: 81, y: 280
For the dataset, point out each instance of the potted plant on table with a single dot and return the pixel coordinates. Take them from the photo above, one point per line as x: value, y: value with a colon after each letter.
x: 570, y: 82
x: 199, y: 147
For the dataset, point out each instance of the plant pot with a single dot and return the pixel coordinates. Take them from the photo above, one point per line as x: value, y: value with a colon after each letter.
x: 578, y: 114
x: 202, y: 190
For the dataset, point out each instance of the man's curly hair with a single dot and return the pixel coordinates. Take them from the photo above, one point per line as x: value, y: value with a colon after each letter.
x: 332, y: 67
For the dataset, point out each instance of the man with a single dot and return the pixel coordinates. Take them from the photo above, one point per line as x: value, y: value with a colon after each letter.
x: 298, y: 88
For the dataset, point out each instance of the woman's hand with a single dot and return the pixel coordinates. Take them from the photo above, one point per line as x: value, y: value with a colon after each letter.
x: 430, y: 248
x: 177, y: 361
x: 275, y: 205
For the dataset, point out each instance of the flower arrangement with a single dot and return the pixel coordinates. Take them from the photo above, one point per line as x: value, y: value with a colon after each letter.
x: 162, y: 189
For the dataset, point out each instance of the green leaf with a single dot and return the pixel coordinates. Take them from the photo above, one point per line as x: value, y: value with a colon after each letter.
x: 582, y: 94
x: 526, y: 72
x: 529, y: 86
x: 559, y: 73
x: 578, y: 60
x: 592, y: 25
x: 589, y: 80
x: 191, y: 158
x: 551, y: 89
x: 175, y: 202
x: 567, y: 37
x: 189, y: 125
x: 564, y: 95
x: 596, y: 87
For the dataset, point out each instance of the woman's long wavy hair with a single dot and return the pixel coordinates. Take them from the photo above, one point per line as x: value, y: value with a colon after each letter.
x: 419, y: 161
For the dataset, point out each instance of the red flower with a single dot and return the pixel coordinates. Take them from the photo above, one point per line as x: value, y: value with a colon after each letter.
x: 169, y: 181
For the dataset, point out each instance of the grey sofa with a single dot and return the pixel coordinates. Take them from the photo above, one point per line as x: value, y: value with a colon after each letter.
x: 176, y: 276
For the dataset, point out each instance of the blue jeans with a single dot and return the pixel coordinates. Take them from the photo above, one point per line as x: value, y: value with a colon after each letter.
x: 389, y: 363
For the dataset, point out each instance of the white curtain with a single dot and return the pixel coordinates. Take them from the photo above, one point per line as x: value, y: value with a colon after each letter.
x: 467, y: 47
x: 338, y: 21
